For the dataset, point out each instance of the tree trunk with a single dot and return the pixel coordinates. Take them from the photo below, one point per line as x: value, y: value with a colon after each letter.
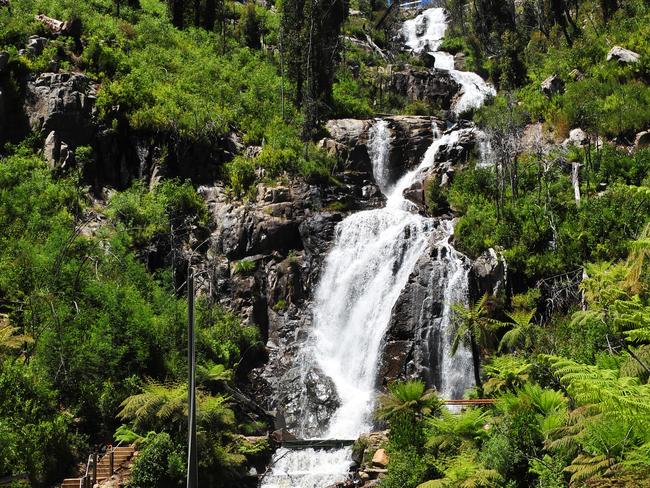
x: 209, y: 14
x: 197, y: 13
x: 177, y: 13
x: 476, y: 360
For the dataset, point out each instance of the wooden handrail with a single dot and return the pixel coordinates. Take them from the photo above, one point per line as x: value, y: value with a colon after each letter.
x: 477, y: 401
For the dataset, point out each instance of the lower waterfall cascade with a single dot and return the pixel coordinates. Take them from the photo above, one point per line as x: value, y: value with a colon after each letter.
x: 373, y: 255
x: 371, y: 260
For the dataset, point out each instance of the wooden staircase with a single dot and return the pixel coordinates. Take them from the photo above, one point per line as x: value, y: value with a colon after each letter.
x: 114, y: 460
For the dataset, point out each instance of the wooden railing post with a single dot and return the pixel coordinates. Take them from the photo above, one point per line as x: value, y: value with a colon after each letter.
x: 111, y: 460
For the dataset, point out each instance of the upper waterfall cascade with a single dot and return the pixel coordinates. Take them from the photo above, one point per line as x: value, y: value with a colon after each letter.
x: 368, y: 266
x: 425, y: 33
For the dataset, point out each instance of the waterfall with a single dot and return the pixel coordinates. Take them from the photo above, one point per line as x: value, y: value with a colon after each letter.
x: 425, y: 33
x: 373, y: 255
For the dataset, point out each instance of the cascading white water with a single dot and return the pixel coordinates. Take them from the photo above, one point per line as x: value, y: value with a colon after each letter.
x: 455, y: 369
x: 374, y: 253
x: 426, y: 33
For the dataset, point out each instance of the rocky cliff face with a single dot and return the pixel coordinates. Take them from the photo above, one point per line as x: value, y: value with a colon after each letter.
x: 283, y: 233
x: 436, y: 87
x: 411, y: 136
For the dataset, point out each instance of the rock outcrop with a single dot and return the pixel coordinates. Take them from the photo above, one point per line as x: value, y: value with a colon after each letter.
x: 642, y: 139
x: 622, y: 55
x: 489, y: 274
x: 410, y: 135
x: 62, y: 102
x: 436, y: 87
x: 552, y: 86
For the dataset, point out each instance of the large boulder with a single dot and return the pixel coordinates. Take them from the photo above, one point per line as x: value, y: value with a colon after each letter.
x: 307, y: 400
x: 489, y: 274
x: 62, y: 102
x: 347, y: 140
x: 642, y: 139
x: 411, y: 137
x: 436, y: 87
x: 622, y: 55
x: 552, y: 86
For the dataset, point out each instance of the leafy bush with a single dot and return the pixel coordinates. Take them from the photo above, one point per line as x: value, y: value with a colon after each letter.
x: 170, y: 207
x: 160, y: 464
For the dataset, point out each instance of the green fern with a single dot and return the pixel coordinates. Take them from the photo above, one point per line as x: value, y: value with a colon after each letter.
x: 505, y: 373
x: 410, y: 396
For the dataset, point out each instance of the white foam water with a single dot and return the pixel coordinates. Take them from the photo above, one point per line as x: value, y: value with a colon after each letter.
x: 368, y: 266
x: 426, y: 33
x: 374, y: 253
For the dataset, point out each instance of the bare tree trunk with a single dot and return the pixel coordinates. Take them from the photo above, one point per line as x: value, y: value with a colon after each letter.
x: 177, y: 13
x: 575, y: 180
x: 476, y: 360
x: 209, y: 14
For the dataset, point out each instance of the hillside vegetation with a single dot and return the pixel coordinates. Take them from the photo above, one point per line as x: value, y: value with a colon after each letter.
x: 93, y: 316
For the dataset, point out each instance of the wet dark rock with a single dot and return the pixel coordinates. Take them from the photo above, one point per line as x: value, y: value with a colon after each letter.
x: 436, y: 87
x: 317, y: 232
x: 307, y: 399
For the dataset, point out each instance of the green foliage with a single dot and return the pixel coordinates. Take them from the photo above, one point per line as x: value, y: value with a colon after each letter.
x: 160, y: 464
x: 408, y: 468
x: 148, y: 214
x: 245, y: 267
x: 35, y: 436
x: 405, y: 404
x: 409, y: 396
x: 283, y: 154
x: 505, y: 373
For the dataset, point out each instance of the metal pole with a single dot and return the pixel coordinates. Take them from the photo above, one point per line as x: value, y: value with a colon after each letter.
x: 192, y: 472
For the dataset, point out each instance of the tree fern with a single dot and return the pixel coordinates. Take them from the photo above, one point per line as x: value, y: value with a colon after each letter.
x: 160, y: 405
x: 411, y: 396
x: 637, y: 260
x: 464, y: 471
x: 447, y: 432
x: 603, y: 388
x: 505, y: 373
x: 522, y: 330
x: 585, y: 467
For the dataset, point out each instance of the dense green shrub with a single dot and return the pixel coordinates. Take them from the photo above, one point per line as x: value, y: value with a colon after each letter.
x: 160, y: 464
x: 35, y: 436
x: 169, y: 207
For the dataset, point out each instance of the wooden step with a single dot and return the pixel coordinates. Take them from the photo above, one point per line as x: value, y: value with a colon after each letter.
x: 122, y: 455
x: 71, y: 483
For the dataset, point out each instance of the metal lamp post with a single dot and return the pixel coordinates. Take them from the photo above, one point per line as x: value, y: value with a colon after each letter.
x: 192, y: 471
